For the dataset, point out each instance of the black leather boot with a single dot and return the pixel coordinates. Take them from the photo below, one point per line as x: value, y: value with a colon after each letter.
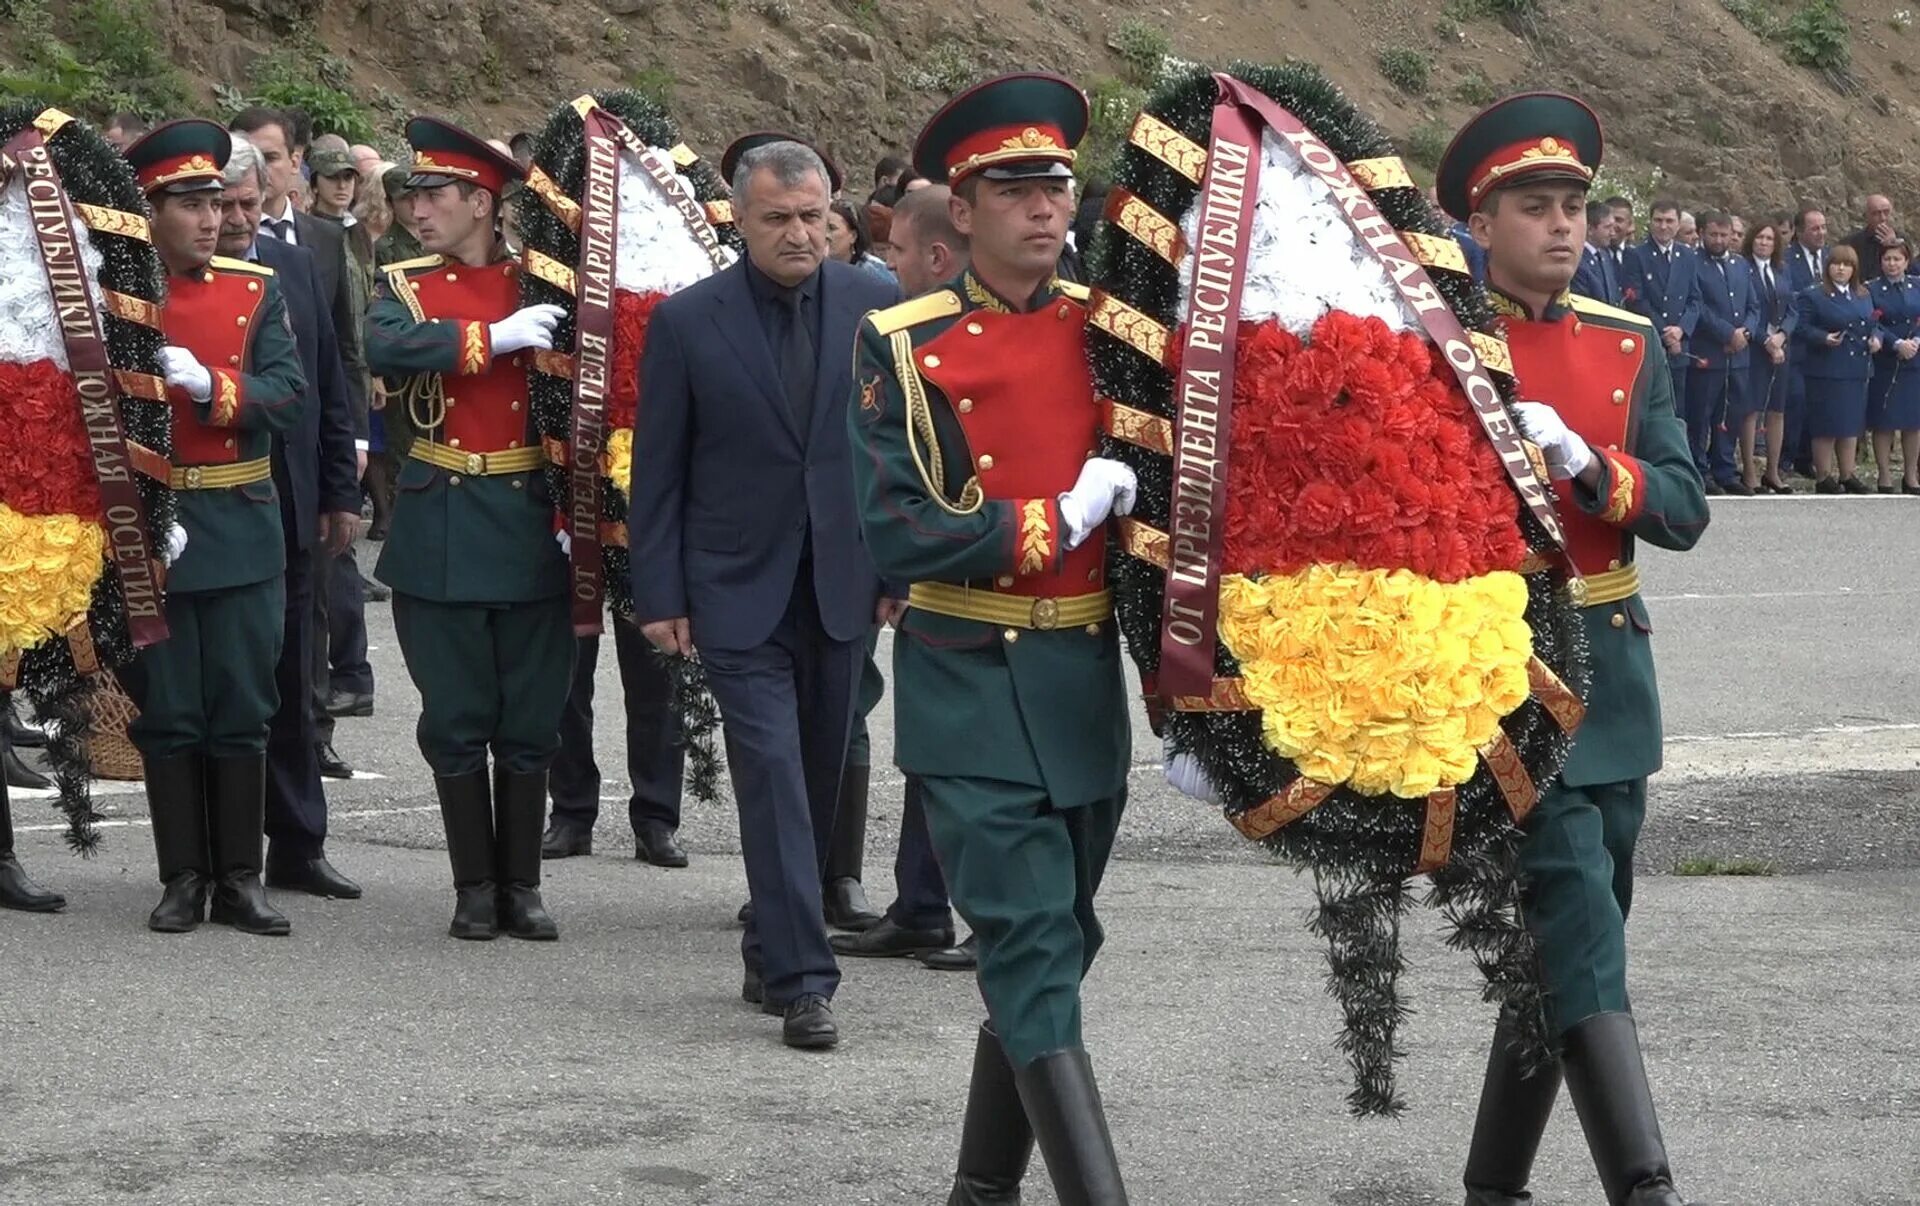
x: 1514, y: 1109
x: 17, y: 889
x: 1608, y: 1083
x: 15, y: 731
x: 466, y: 809
x: 177, y: 800
x: 519, y: 808
x: 841, y: 893
x: 237, y: 807
x: 995, y: 1141
x: 1063, y: 1107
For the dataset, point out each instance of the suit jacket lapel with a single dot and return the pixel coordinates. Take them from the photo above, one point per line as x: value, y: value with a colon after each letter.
x: 738, y: 318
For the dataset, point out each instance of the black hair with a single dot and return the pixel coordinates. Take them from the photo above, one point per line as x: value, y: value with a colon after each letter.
x: 856, y: 222
x: 255, y: 118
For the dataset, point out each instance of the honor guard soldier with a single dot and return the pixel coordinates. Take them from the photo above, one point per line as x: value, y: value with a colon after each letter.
x: 206, y: 693
x: 478, y: 575
x: 975, y: 426
x: 1603, y: 416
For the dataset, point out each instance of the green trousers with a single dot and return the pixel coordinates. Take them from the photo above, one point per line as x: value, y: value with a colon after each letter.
x: 492, y: 676
x: 209, y: 687
x: 1024, y: 875
x: 1577, y: 864
x: 866, y: 697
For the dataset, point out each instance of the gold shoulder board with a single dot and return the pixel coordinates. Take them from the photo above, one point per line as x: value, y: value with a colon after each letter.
x: 1592, y: 308
x: 941, y: 303
x: 1076, y: 292
x: 417, y: 264
x: 226, y: 265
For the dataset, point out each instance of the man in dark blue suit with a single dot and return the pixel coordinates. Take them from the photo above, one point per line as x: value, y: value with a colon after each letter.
x: 1596, y: 278
x: 1721, y: 348
x: 1806, y: 267
x: 313, y: 467
x: 1662, y: 273
x: 745, y: 545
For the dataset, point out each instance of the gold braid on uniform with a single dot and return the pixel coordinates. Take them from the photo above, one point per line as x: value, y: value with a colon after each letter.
x: 428, y: 388
x: 920, y: 431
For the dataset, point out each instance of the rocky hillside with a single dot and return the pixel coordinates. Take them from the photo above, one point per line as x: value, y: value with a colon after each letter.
x: 1753, y: 102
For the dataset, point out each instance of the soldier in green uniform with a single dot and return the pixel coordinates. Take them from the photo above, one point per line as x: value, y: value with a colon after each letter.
x: 233, y: 377
x: 1603, y: 416
x: 974, y: 427
x: 477, y: 571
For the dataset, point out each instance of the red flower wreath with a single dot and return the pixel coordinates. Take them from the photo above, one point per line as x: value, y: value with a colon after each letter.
x: 1358, y: 447
x: 632, y: 312
x: 45, y: 461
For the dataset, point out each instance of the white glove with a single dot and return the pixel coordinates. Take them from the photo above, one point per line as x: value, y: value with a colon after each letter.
x: 1183, y: 771
x: 1567, y: 454
x: 1105, y: 488
x: 528, y: 327
x: 175, y: 544
x: 565, y: 539
x: 181, y: 369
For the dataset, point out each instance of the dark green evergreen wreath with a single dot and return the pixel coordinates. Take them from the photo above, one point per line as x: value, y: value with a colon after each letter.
x: 93, y: 173
x: 560, y: 151
x: 1360, y: 849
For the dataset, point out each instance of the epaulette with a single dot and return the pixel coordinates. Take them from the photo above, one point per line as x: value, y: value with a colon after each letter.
x: 1594, y: 309
x: 941, y: 303
x: 1076, y: 292
x: 417, y: 264
x: 226, y: 265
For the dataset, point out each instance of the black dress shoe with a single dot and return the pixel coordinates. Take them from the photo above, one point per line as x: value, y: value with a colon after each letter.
x: 17, y: 732
x: 1853, y: 485
x: 844, y: 904
x: 656, y: 844
x: 564, y: 839
x: 314, y: 876
x: 341, y: 704
x: 1910, y: 489
x: 18, y: 891
x: 1713, y: 487
x: 332, y: 765
x: 889, y: 941
x: 1827, y: 485
x: 745, y: 914
x: 753, y: 990
x: 965, y: 957
x: 375, y: 592
x: 1888, y: 489
x: 19, y: 774
x: 809, y: 1023
x: 1741, y: 489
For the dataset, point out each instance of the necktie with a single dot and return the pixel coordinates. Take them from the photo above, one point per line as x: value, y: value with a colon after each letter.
x: 797, y: 362
x: 281, y: 228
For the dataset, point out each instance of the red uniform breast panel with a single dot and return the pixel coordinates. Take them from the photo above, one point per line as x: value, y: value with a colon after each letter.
x: 211, y: 314
x: 1020, y: 386
x: 487, y: 411
x: 1586, y: 372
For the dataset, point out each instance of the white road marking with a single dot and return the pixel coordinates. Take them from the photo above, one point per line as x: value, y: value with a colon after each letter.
x: 1838, y: 592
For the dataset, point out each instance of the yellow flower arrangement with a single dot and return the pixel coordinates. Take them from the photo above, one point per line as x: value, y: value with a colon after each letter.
x: 617, y: 461
x: 48, y: 565
x: 1380, y: 680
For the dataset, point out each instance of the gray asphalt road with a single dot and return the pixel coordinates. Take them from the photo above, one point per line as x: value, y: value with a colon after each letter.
x: 368, y: 1059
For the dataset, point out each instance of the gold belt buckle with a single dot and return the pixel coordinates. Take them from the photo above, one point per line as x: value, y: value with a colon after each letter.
x: 475, y: 463
x: 1046, y: 614
x: 1577, y: 587
x: 193, y: 478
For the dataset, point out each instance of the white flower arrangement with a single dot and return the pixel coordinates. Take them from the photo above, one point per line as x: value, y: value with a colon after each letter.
x: 1303, y: 259
x: 29, y: 327
x: 657, y: 253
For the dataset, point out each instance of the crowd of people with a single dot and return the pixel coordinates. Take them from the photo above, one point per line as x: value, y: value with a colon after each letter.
x: 376, y: 289
x: 1790, y: 353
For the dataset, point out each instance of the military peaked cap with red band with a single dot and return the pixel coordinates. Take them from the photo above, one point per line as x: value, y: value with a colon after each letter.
x: 1009, y: 128
x: 760, y: 138
x: 1533, y: 136
x: 445, y: 154
x: 185, y: 156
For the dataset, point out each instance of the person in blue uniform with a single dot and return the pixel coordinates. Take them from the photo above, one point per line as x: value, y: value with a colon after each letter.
x: 1835, y: 328
x: 1720, y: 351
x: 1893, y: 395
x: 1662, y: 273
x: 1768, y: 370
x: 1597, y: 277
